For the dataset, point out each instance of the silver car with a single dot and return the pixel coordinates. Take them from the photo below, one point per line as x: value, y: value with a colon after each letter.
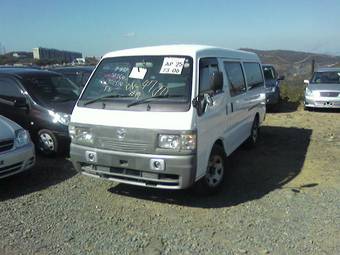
x: 323, y: 90
x: 16, y: 148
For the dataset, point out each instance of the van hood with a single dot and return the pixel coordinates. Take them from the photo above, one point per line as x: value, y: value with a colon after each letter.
x: 134, y: 119
x: 324, y: 86
x: 7, y: 128
x: 64, y: 107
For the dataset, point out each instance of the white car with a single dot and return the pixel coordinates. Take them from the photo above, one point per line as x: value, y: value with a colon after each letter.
x: 323, y: 90
x: 16, y: 148
x: 167, y: 116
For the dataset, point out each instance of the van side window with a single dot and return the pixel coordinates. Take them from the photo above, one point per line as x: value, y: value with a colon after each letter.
x: 254, y: 75
x: 207, y: 67
x: 236, y: 79
x: 9, y: 88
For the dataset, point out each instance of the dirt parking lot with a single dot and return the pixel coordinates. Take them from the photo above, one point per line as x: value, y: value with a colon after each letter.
x: 283, y: 197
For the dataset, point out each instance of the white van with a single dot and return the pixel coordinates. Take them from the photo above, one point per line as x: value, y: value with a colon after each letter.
x: 166, y: 116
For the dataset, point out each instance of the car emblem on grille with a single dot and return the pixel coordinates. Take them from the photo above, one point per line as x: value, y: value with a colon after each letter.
x: 121, y: 133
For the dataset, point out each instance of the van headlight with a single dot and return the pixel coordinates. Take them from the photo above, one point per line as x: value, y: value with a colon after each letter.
x: 60, y: 117
x: 22, y: 138
x: 308, y: 92
x: 177, y: 142
x: 81, y: 135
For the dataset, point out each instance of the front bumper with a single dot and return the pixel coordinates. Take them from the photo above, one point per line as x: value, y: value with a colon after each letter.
x: 17, y: 160
x: 272, y: 97
x: 134, y: 168
x: 322, y: 102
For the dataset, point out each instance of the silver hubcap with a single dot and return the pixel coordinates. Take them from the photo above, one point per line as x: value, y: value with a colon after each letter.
x: 47, y: 142
x: 215, y: 171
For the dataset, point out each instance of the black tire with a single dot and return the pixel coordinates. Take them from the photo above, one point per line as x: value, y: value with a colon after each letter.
x: 214, y: 179
x: 47, y: 143
x: 254, y: 134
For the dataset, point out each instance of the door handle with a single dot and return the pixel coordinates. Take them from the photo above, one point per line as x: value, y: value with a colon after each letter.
x: 232, y: 107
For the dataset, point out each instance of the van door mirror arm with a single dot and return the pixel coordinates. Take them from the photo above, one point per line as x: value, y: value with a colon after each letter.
x: 202, y: 101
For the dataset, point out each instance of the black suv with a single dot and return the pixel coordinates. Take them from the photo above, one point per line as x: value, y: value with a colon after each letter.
x: 41, y: 102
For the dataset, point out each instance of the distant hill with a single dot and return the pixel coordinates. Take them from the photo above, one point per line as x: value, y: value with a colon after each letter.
x: 295, y: 64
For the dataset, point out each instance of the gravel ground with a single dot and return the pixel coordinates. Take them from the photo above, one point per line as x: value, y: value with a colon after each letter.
x: 283, y: 197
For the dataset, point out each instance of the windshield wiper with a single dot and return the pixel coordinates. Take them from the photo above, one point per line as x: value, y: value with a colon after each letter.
x: 101, y: 97
x: 145, y: 99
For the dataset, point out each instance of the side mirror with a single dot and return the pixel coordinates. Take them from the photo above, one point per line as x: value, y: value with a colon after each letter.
x: 216, y: 81
x: 306, y: 82
x: 20, y: 102
x: 281, y: 78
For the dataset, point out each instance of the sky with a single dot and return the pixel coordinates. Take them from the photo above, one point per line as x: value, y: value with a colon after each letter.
x: 97, y: 27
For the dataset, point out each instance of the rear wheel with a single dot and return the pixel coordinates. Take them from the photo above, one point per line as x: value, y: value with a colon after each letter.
x: 47, y: 142
x: 214, y: 178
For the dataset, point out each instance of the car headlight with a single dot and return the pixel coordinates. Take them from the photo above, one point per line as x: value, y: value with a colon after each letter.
x: 270, y: 89
x: 22, y: 138
x: 308, y: 92
x: 177, y: 142
x: 81, y: 135
x: 60, y: 117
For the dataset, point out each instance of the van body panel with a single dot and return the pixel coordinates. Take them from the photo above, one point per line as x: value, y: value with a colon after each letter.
x: 131, y: 119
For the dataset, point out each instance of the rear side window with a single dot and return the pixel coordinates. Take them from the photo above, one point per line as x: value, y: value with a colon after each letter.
x: 235, y: 75
x: 207, y: 67
x: 254, y: 75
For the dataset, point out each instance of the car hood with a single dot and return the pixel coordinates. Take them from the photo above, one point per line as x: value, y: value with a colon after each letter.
x: 324, y: 86
x: 64, y: 107
x: 7, y: 128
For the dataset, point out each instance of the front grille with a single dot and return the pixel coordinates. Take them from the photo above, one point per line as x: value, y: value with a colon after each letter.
x: 125, y: 146
x: 6, y: 145
x: 329, y: 94
x: 8, y: 169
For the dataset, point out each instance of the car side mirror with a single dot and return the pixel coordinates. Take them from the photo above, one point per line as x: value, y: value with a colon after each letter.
x: 281, y: 78
x: 306, y: 82
x: 20, y: 102
x: 216, y: 81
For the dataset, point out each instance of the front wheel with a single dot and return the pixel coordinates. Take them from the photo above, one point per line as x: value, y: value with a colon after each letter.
x: 47, y: 142
x: 214, y: 178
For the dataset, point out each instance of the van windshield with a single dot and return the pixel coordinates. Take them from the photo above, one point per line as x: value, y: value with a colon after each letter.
x: 120, y: 81
x: 326, y: 77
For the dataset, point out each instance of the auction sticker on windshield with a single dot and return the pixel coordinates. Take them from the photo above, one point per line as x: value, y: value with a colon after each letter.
x: 138, y: 73
x: 172, y: 65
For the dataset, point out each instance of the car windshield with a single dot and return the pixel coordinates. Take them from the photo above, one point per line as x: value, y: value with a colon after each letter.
x: 326, y: 77
x: 53, y: 88
x: 268, y: 73
x: 127, y: 79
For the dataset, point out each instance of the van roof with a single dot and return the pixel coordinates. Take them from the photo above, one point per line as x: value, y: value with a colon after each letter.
x: 185, y: 50
x: 328, y: 69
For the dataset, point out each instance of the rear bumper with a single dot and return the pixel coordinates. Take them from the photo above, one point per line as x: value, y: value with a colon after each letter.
x: 17, y: 160
x: 135, y: 168
x: 322, y: 102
